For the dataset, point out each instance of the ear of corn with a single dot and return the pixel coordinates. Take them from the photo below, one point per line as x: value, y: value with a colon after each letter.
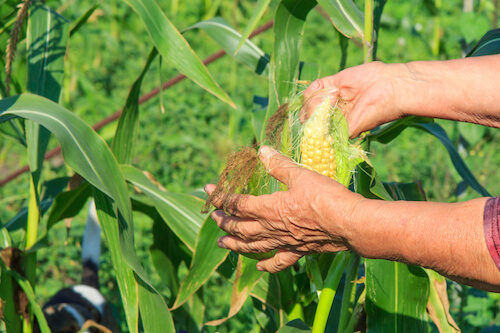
x: 325, y: 146
x: 317, y: 144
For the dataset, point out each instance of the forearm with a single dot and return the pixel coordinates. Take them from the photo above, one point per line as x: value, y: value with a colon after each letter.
x: 447, y: 237
x: 461, y: 89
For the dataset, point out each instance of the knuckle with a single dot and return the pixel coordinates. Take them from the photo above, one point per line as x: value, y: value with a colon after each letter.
x: 277, y: 264
x: 257, y: 247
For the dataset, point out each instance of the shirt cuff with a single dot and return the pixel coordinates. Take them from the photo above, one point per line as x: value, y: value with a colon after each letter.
x: 492, y: 228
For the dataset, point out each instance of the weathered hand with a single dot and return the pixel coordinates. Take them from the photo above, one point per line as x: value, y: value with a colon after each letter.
x: 370, y: 93
x: 311, y: 216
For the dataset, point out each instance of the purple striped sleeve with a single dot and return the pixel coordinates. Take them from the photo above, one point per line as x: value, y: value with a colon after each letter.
x: 492, y: 228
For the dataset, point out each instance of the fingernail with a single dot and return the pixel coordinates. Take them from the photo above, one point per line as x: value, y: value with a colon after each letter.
x: 220, y: 243
x: 334, y: 90
x: 260, y: 268
x: 205, y: 189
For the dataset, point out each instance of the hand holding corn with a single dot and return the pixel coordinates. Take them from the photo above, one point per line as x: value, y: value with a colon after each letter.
x: 376, y: 93
x: 312, y: 216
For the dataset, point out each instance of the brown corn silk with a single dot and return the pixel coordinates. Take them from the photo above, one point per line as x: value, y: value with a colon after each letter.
x: 234, y: 178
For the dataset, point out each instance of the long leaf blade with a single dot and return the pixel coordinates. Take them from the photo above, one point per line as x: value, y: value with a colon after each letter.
x: 207, y: 257
x: 259, y: 10
x: 89, y: 156
x: 127, y: 130
x: 180, y: 211
x: 489, y: 44
x: 124, y: 274
x: 289, y: 22
x: 462, y: 168
x: 47, y: 38
x: 174, y: 48
x: 346, y: 17
x: 247, y: 277
x: 227, y: 38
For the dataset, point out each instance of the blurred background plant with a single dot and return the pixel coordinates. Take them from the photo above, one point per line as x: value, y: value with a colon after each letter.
x: 185, y: 132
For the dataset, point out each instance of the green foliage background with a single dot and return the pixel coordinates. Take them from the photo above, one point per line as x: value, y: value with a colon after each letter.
x: 186, y: 134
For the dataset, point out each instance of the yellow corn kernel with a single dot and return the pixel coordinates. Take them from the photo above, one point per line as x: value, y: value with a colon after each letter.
x: 317, y: 151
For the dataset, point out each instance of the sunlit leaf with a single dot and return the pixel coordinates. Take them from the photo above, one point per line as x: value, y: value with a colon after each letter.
x: 180, y: 211
x: 125, y: 276
x: 47, y: 39
x: 89, y: 156
x: 346, y: 17
x: 289, y: 21
x: 227, y: 38
x: 174, y: 48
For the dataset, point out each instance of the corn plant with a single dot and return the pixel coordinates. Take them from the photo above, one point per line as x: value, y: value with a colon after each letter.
x: 328, y: 292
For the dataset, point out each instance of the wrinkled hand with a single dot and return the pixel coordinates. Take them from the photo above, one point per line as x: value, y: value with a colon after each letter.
x: 311, y: 216
x: 373, y: 94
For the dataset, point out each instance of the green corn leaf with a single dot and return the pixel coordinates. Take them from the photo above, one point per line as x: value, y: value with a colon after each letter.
x: 167, y: 253
x: 14, y: 129
x: 387, y: 132
x: 180, y: 211
x: 8, y: 295
x: 329, y: 290
x: 309, y: 71
x: 267, y: 291
x: 125, y: 276
x: 80, y: 22
x: 247, y: 276
x: 20, y: 220
x: 294, y: 326
x: 462, y: 168
x: 396, y: 297
x: 65, y: 205
x: 259, y: 10
x: 207, y: 257
x: 30, y: 294
x: 289, y: 22
x: 489, y: 44
x: 227, y: 38
x: 127, y: 130
x: 288, y: 30
x: 439, y: 305
x: 47, y: 39
x: 377, y: 16
x: 154, y: 312
x: 174, y: 48
x: 83, y: 149
x: 345, y: 16
x: 89, y: 156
